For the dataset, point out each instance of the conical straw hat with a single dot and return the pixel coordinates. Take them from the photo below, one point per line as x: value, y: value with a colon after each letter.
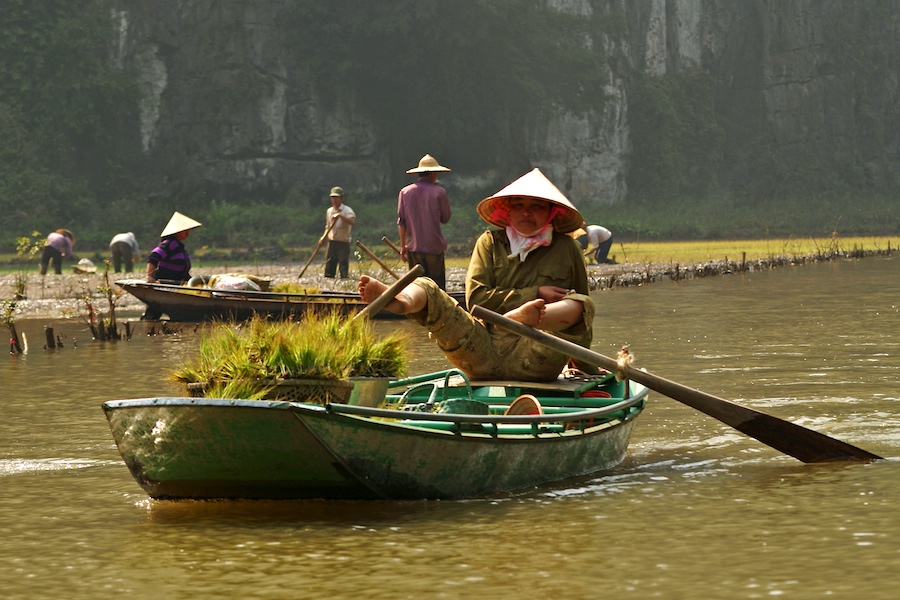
x: 428, y: 164
x: 531, y: 185
x: 179, y: 222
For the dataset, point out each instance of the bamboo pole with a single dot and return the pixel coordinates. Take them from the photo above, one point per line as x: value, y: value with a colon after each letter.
x: 376, y: 259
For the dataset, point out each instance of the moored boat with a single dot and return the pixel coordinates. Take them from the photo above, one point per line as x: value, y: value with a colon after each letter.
x: 185, y: 303
x: 435, y: 436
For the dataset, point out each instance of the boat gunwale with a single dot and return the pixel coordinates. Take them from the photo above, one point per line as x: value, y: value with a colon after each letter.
x: 226, y: 294
x: 236, y: 294
x: 578, y: 414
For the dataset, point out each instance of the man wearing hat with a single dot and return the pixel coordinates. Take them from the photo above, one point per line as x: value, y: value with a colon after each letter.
x: 169, y: 261
x: 528, y: 269
x: 339, y: 219
x: 421, y: 209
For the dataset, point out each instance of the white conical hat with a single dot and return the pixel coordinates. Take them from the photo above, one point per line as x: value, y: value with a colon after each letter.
x: 429, y: 164
x: 533, y: 184
x: 179, y: 222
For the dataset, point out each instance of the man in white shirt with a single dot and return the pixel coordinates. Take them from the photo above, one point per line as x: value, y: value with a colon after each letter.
x: 339, y: 219
x: 124, y: 248
x: 599, y: 239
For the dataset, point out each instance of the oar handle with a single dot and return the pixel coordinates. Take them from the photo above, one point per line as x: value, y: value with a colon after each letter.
x: 391, y: 244
x: 551, y: 341
x: 803, y: 444
x: 374, y: 307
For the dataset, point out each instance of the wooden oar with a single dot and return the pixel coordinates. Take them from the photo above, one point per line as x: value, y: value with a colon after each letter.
x: 374, y: 307
x: 360, y: 245
x: 319, y: 245
x: 803, y: 444
x: 393, y: 247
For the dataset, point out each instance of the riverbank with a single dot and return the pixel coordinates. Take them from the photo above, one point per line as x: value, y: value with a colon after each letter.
x: 603, y: 277
x: 69, y: 295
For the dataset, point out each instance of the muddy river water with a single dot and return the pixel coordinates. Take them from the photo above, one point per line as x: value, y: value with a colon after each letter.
x: 697, y: 510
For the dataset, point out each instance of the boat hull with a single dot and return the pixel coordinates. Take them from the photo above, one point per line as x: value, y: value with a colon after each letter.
x: 182, y: 303
x: 410, y: 463
x: 214, y: 448
x: 197, y: 448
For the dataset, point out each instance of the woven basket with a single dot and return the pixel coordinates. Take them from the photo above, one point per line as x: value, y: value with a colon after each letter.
x: 313, y: 391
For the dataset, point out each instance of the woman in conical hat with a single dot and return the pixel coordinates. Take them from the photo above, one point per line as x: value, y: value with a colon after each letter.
x: 169, y: 261
x: 528, y: 269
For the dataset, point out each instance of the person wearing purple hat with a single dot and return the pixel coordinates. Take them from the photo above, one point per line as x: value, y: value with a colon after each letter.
x: 528, y: 269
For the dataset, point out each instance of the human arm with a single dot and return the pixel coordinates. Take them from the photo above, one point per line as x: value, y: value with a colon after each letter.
x: 491, y: 281
x: 401, y: 230
x: 347, y: 215
x: 500, y: 284
x: 330, y: 221
x: 153, y: 261
x: 445, y: 208
x: 401, y: 226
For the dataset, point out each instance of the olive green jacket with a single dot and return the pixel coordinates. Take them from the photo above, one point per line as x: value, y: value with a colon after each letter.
x: 501, y: 284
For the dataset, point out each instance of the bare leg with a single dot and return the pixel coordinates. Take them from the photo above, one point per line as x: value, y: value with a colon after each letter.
x: 555, y: 316
x: 411, y: 299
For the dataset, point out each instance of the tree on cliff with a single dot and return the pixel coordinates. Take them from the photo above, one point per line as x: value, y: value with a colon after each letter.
x: 64, y: 115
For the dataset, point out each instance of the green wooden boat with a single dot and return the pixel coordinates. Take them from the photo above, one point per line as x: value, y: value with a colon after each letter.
x: 436, y: 436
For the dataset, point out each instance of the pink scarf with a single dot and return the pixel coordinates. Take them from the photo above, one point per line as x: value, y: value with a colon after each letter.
x: 521, y: 245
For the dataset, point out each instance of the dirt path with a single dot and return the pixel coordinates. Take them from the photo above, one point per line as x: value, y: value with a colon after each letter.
x: 61, y: 296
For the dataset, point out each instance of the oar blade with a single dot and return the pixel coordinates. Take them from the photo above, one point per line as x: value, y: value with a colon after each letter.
x: 803, y: 444
x: 794, y: 440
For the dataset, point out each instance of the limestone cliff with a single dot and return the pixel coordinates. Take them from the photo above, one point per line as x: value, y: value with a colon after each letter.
x: 229, y: 109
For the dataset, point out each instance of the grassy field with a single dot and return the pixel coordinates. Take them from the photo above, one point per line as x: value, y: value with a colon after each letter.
x: 643, y: 252
x: 695, y: 252
x: 707, y: 250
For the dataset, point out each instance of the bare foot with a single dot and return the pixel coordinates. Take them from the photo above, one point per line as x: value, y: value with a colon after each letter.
x: 370, y: 288
x: 531, y: 313
x: 410, y: 299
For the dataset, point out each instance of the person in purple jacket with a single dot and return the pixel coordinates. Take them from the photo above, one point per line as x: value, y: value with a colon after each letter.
x: 169, y: 261
x: 58, y: 245
x: 421, y: 209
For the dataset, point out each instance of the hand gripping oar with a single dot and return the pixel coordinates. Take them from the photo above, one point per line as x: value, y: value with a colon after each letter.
x: 803, y: 444
x: 319, y: 245
x: 374, y: 307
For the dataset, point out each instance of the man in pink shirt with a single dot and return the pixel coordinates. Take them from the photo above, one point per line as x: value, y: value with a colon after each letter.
x: 421, y: 209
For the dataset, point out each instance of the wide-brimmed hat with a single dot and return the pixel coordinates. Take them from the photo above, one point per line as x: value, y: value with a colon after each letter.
x: 494, y: 209
x: 337, y: 191
x: 179, y: 222
x: 429, y: 164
